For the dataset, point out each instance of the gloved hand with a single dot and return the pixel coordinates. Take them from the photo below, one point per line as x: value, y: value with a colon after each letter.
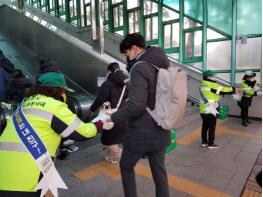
x: 104, y: 125
x: 259, y: 93
x: 103, y: 117
x: 102, y: 121
x: 239, y: 90
x: 236, y: 97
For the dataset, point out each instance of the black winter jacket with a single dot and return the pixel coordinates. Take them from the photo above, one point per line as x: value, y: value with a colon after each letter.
x: 143, y: 134
x: 110, y: 91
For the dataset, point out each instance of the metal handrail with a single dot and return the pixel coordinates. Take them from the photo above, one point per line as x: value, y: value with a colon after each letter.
x: 193, y: 100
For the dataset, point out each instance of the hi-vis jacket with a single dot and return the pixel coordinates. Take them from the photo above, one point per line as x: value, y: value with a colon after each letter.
x: 212, y: 91
x: 51, y: 120
x: 248, y: 91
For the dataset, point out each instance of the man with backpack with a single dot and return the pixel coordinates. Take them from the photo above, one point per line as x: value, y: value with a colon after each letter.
x: 143, y: 135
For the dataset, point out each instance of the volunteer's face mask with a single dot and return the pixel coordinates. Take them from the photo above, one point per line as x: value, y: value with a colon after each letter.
x: 251, y: 79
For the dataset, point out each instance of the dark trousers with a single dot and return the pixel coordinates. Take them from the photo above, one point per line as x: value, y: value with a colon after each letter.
x: 156, y: 161
x: 19, y: 194
x: 244, y: 113
x: 209, y: 125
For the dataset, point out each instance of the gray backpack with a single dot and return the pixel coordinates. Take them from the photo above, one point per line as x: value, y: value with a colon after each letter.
x: 170, y: 98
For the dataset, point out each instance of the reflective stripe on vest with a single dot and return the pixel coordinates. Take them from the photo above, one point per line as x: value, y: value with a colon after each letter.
x: 12, y: 146
x: 71, y: 128
x: 38, y: 112
x: 48, y: 116
x: 205, y: 89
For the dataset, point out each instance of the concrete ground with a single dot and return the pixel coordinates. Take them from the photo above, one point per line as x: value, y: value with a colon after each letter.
x: 192, y: 170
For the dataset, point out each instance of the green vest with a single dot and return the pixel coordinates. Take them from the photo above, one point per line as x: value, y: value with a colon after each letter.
x: 206, y: 87
x: 18, y: 171
x: 248, y: 91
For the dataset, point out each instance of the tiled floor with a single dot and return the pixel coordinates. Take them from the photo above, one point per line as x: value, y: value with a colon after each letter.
x: 192, y: 170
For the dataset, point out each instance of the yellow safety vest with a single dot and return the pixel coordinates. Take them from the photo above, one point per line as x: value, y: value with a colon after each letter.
x: 248, y: 91
x: 205, y: 88
x: 18, y: 170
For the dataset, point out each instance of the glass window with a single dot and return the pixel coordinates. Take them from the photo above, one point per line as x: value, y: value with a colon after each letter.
x: 169, y: 14
x: 119, y: 32
x: 249, y: 55
x: 116, y: 1
x: 121, y: 15
x: 224, y: 76
x: 219, y: 55
x: 115, y: 17
x: 106, y: 10
x: 148, y: 29
x: 72, y: 8
x: 172, y: 3
x: 197, y: 43
x: 188, y: 45
x: 174, y: 55
x: 61, y: 5
x: 51, y: 4
x: 131, y: 22
x: 167, y: 36
x: 88, y: 15
x: 134, y: 22
x: 190, y: 23
x: 137, y: 21
x: 43, y: 2
x: 132, y: 4
x: 106, y: 26
x: 213, y: 35
x: 175, y: 35
x: 197, y: 65
x: 155, y: 27
x: 150, y: 7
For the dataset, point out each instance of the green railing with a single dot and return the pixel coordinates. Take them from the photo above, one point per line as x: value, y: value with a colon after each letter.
x: 181, y: 28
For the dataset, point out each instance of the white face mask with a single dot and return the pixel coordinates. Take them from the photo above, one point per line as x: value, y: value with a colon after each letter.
x: 250, y: 79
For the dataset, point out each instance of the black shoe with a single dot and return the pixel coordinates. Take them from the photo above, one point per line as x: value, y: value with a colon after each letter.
x: 244, y: 124
x: 63, y: 155
x: 249, y: 122
x: 213, y: 146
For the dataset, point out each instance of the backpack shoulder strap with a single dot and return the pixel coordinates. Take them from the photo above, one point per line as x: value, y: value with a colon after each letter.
x: 148, y: 63
x: 120, y: 99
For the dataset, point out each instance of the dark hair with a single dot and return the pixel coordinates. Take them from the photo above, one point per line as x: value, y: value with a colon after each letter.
x: 113, y: 67
x: 43, y: 60
x: 48, y: 66
x: 132, y: 39
x: 54, y: 92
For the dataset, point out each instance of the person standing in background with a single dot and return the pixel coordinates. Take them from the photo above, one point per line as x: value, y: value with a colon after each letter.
x: 248, y: 84
x: 110, y: 91
x: 4, y: 78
